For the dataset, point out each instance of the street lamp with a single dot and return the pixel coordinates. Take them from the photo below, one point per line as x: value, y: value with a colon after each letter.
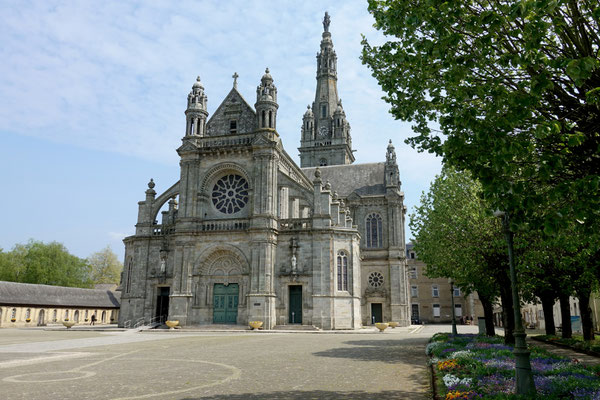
x: 523, y: 375
x: 454, y: 331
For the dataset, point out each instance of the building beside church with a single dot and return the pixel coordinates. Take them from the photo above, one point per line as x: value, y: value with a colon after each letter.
x: 247, y: 234
x: 26, y: 305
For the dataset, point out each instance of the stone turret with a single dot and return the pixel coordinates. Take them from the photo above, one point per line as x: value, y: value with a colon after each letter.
x: 392, y: 174
x: 266, y: 103
x: 196, y: 113
x: 308, y: 125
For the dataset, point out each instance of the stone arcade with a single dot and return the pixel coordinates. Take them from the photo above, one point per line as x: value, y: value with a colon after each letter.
x: 249, y: 235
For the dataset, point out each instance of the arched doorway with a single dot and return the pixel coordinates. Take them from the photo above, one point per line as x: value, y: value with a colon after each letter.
x: 42, y: 318
x: 103, y: 317
x: 76, y: 316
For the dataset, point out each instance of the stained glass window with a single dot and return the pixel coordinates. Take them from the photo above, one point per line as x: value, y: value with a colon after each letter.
x: 342, y: 271
x: 230, y: 194
x: 373, y: 230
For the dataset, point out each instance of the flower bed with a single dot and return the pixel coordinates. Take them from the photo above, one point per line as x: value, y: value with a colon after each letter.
x: 482, y: 367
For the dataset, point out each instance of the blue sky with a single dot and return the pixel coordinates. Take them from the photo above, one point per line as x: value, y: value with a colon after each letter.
x: 92, y: 96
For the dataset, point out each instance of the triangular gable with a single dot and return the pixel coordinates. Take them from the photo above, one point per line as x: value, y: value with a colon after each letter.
x: 233, y: 108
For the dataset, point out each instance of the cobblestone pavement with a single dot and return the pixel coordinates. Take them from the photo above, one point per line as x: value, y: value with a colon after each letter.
x: 215, y: 366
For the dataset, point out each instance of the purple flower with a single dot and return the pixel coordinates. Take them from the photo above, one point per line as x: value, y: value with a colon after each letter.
x: 585, y: 394
x: 496, y: 383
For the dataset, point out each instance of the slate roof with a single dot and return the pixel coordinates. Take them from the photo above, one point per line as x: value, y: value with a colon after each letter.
x: 364, y: 179
x: 12, y: 293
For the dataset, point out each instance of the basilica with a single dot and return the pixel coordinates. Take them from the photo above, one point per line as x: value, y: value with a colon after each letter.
x: 247, y: 234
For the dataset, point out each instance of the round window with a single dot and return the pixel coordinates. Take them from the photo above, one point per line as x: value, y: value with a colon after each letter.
x: 375, y: 279
x: 230, y: 194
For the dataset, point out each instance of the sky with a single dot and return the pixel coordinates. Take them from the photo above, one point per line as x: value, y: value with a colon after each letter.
x: 93, y: 94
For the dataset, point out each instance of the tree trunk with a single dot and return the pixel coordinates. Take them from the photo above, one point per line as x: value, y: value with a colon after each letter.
x: 587, y: 324
x: 488, y: 313
x: 508, y: 314
x: 565, y: 316
x: 547, y: 299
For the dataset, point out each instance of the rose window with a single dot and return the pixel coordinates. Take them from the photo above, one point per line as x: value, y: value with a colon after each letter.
x: 375, y: 279
x: 230, y: 194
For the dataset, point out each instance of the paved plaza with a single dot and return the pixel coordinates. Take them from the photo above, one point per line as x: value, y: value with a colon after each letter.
x: 364, y: 364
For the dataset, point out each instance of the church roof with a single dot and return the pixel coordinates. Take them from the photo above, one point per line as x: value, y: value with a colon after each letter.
x: 12, y: 293
x: 364, y: 179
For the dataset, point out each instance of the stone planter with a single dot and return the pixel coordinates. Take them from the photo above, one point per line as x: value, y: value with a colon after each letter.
x: 255, y: 324
x: 172, y: 324
x: 68, y: 324
x: 381, y: 326
x: 393, y: 324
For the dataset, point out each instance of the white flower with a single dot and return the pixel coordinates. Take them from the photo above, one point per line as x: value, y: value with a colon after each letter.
x: 461, y: 354
x: 432, y: 346
x: 451, y: 380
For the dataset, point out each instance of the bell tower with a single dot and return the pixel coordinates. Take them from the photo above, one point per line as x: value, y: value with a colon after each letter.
x: 325, y: 138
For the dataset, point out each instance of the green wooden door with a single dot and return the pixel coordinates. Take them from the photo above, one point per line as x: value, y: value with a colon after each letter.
x: 295, y: 316
x: 376, y: 313
x: 225, y: 303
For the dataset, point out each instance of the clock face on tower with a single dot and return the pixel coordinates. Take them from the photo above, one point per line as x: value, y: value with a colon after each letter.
x: 323, y: 132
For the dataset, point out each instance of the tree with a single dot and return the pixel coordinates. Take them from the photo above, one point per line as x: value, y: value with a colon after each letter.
x: 44, y: 263
x: 514, y: 87
x: 458, y: 238
x: 105, y: 266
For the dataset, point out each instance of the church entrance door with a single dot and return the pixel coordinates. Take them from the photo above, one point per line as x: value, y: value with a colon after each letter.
x: 295, y: 316
x: 225, y: 303
x: 376, y: 313
x: 162, y: 303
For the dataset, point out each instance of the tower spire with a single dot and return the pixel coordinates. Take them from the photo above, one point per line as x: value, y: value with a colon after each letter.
x: 326, y: 133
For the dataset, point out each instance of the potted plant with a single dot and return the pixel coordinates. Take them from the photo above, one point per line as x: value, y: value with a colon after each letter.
x: 381, y: 326
x: 28, y: 320
x: 393, y: 324
x: 13, y: 320
x: 68, y: 323
x: 172, y: 324
x: 255, y: 325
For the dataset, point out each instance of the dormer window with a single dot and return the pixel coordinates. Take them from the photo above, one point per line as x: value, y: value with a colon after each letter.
x: 233, y: 126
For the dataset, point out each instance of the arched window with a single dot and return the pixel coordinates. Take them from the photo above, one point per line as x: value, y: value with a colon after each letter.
x: 323, y: 162
x: 342, y: 271
x: 270, y: 119
x: 373, y: 230
x: 262, y: 124
x: 55, y: 315
x: 66, y: 314
x: 28, y: 313
x: 13, y: 313
x: 76, y: 316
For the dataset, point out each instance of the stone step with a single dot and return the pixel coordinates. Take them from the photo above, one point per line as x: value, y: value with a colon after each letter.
x: 296, y: 327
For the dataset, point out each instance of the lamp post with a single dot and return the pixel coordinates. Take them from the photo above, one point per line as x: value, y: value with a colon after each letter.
x: 523, y: 375
x: 454, y: 331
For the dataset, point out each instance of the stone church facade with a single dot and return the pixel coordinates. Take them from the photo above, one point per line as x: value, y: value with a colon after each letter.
x: 246, y: 234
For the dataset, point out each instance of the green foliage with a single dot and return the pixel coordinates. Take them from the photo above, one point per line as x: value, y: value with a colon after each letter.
x: 456, y: 235
x: 508, y: 90
x: 44, y: 263
x: 105, y: 266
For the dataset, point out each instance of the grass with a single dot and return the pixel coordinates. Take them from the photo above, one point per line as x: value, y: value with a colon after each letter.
x: 576, y: 342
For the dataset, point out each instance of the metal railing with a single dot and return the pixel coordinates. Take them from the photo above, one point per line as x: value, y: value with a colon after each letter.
x: 225, y: 225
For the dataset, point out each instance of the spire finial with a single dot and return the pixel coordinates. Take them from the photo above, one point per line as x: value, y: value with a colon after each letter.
x: 235, y: 76
x: 326, y: 22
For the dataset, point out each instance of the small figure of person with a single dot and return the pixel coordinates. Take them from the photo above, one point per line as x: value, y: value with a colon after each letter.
x: 93, y: 319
